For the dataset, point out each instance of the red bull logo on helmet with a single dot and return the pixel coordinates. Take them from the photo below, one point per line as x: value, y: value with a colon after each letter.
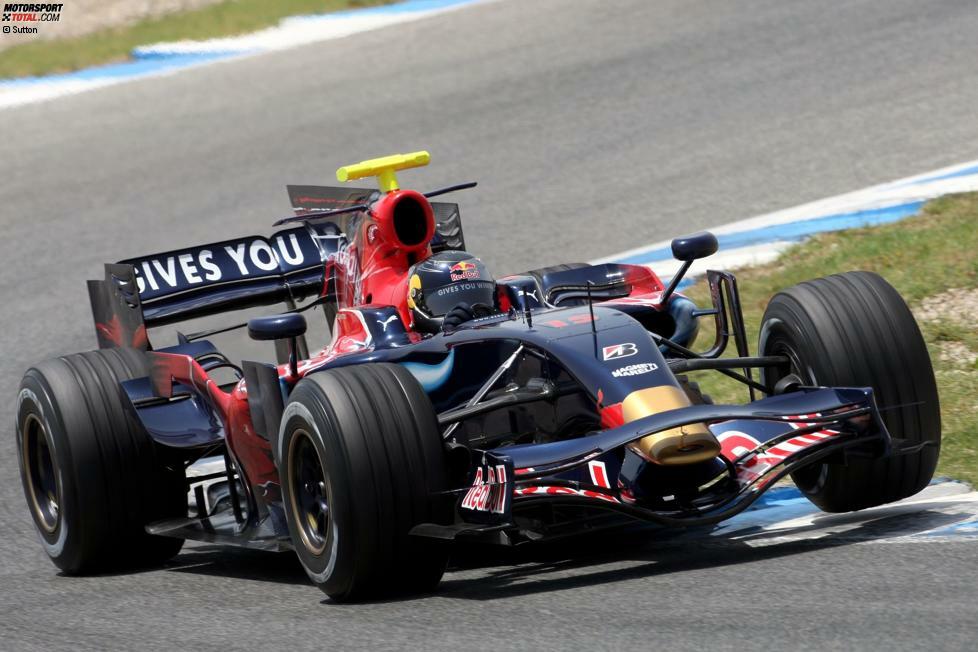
x: 464, y: 270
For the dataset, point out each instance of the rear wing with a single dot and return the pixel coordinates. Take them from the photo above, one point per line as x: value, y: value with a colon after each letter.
x: 233, y: 274
x: 289, y: 266
x: 183, y: 284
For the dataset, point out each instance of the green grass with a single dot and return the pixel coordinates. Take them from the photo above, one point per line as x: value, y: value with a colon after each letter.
x: 114, y: 44
x: 921, y: 256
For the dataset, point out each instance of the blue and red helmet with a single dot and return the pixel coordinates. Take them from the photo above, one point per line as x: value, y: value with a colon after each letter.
x: 444, y: 280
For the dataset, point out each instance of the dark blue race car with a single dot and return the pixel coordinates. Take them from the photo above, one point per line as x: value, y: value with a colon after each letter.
x: 450, y: 405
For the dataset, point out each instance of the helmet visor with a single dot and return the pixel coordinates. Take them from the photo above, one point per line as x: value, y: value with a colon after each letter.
x: 443, y: 299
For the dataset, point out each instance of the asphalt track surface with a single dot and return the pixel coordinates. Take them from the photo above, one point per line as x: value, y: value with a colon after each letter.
x: 592, y: 127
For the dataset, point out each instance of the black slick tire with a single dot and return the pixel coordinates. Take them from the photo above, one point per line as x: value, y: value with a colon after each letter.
x: 854, y: 330
x: 91, y: 474
x: 362, y: 462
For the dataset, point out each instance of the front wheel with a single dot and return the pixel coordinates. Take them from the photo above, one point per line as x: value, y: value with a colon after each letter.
x: 854, y: 330
x: 362, y: 462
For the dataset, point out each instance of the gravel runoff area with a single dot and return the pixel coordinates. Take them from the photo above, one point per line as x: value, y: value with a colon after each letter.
x: 957, y: 305
x: 79, y: 17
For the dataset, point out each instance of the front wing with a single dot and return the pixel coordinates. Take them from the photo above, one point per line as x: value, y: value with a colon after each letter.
x: 761, y: 442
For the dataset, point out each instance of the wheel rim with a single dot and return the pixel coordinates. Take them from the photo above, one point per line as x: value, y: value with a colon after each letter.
x: 309, y: 492
x: 43, y: 484
x: 780, y: 347
x: 810, y: 478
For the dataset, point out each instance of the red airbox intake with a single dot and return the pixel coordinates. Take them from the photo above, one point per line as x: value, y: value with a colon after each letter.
x: 405, y: 219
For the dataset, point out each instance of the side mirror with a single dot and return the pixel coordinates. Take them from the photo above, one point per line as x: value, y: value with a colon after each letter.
x: 687, y: 249
x: 695, y: 246
x: 277, y: 327
x: 288, y: 326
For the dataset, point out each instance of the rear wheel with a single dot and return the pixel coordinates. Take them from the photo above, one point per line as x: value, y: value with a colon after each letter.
x: 362, y: 461
x: 90, y: 471
x: 854, y: 330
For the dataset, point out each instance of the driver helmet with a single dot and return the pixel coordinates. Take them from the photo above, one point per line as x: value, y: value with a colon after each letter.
x: 442, y: 281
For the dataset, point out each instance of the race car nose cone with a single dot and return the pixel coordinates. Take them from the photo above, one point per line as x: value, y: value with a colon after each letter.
x: 687, y: 444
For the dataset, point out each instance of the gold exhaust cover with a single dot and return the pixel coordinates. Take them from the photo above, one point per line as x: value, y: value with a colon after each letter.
x: 687, y: 444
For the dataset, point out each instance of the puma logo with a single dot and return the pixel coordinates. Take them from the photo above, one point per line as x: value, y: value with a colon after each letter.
x: 387, y: 321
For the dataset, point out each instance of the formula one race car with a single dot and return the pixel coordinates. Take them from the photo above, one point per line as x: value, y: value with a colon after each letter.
x: 449, y: 405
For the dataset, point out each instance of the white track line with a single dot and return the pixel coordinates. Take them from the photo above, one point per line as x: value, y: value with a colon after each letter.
x: 167, y: 58
x: 761, y: 239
